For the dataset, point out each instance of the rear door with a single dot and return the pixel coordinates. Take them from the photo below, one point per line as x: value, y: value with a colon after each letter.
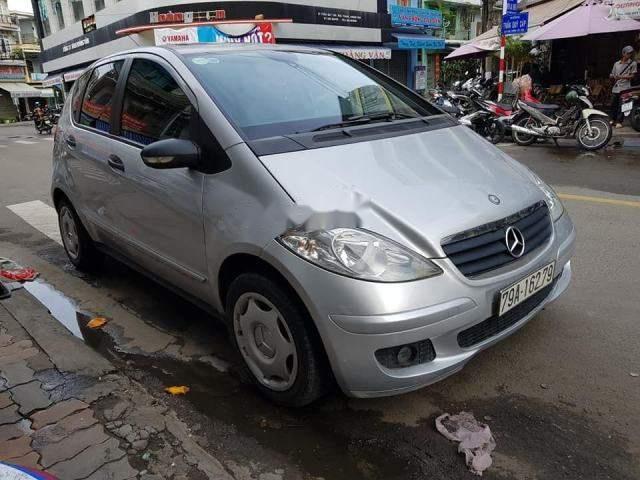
x: 157, y: 214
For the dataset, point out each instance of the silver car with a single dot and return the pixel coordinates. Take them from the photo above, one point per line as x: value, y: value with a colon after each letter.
x: 347, y: 229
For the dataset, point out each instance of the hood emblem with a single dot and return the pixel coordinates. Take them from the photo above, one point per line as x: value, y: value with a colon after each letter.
x: 514, y: 240
x: 494, y: 199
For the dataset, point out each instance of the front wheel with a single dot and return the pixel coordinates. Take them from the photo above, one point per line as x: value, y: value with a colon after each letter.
x: 279, y: 346
x: 635, y: 116
x: 495, y: 132
x: 599, y: 136
x: 524, y: 139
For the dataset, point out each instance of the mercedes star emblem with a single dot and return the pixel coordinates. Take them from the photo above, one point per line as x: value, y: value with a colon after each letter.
x: 494, y: 199
x: 515, y: 242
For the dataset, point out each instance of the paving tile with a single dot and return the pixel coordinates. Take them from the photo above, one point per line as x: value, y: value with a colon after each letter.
x: 15, y: 348
x: 9, y: 415
x: 15, y: 430
x: 5, y: 400
x: 39, y: 362
x: 120, y: 470
x: 89, y: 460
x: 30, y: 397
x: 15, y: 448
x: 30, y: 460
x: 5, y: 340
x: 72, y: 445
x: 17, y: 374
x: 56, y: 412
x: 64, y: 428
x: 18, y: 357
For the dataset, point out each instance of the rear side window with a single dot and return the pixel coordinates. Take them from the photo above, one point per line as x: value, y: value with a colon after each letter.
x: 78, y: 92
x: 98, y: 98
x: 155, y: 107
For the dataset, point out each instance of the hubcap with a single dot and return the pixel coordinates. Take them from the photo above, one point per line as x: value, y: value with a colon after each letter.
x: 598, y: 136
x: 265, y: 341
x: 69, y: 233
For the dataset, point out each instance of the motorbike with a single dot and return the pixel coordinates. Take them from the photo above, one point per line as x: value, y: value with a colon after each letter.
x: 590, y: 127
x: 484, y: 120
x: 44, y: 125
x: 630, y: 106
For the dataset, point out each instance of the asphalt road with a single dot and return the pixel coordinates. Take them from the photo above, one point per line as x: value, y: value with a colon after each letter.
x: 559, y: 395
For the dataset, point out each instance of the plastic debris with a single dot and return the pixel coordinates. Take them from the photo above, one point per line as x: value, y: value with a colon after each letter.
x: 12, y: 271
x: 475, y: 439
x: 97, y: 322
x: 634, y: 374
x: 181, y: 390
x: 16, y: 472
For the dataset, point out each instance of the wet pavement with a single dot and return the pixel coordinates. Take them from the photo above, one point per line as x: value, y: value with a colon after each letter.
x: 558, y: 395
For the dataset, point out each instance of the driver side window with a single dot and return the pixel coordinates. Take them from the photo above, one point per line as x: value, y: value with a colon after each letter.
x: 155, y: 107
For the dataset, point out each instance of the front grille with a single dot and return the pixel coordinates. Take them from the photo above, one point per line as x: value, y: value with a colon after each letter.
x: 494, y: 325
x: 483, y: 249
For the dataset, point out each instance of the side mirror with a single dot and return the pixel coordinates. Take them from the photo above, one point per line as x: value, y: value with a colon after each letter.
x: 171, y: 153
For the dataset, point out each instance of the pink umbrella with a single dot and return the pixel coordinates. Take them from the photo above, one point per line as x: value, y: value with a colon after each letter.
x: 588, y: 19
x: 464, y: 51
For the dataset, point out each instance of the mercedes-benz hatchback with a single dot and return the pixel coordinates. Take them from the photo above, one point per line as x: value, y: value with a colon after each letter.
x: 347, y: 229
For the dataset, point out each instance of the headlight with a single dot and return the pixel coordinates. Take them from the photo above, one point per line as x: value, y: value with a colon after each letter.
x: 555, y: 205
x: 359, y: 254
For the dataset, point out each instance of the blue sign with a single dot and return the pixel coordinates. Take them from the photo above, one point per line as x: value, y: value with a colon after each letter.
x: 515, y: 23
x: 413, y: 42
x: 422, y: 17
x: 512, y: 6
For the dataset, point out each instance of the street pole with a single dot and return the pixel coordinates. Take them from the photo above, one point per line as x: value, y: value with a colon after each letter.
x: 503, y: 43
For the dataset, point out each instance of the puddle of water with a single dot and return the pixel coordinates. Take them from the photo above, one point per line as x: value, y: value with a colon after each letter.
x: 60, y: 307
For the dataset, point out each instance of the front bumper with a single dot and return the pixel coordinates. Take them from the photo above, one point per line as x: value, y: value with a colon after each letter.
x: 356, y: 318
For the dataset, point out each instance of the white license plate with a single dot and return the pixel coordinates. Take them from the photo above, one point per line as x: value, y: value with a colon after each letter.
x: 626, y: 108
x: 520, y: 291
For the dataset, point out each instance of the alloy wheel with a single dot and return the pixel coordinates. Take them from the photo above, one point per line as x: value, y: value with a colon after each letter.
x: 69, y: 233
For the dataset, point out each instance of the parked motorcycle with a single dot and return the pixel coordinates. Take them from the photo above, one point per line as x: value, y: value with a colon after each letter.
x: 484, y: 120
x: 590, y: 127
x: 630, y: 106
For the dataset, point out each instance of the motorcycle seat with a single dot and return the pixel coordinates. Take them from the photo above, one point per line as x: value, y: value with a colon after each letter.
x: 543, y: 106
x: 505, y: 106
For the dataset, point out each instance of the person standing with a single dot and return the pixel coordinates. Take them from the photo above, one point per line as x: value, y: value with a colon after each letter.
x: 622, y: 73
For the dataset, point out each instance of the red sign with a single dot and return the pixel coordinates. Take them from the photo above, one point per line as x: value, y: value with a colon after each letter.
x: 186, y: 17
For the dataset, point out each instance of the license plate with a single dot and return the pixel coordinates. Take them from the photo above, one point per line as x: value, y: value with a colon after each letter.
x: 528, y: 286
x: 626, y: 108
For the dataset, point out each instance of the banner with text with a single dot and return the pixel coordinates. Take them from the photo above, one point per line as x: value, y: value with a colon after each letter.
x: 261, y: 33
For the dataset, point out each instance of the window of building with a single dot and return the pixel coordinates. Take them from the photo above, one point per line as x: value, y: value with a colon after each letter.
x: 99, y: 5
x: 155, y: 107
x: 78, y: 10
x: 57, y: 7
x: 98, y: 99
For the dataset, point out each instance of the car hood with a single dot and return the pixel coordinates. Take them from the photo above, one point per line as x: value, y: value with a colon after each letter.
x: 416, y: 189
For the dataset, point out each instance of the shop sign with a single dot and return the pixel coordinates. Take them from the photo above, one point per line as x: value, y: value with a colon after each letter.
x: 51, y: 81
x: 262, y: 33
x: 89, y: 24
x: 422, y: 17
x: 69, y: 47
x: 428, y: 43
x: 186, y: 17
x: 359, y: 53
x: 420, y: 77
x: 11, y: 72
x: 626, y: 10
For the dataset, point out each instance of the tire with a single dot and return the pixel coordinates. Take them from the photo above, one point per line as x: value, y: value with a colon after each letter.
x: 604, y: 129
x: 522, y: 138
x: 278, y: 332
x: 635, y: 116
x: 76, y: 241
x: 495, y: 132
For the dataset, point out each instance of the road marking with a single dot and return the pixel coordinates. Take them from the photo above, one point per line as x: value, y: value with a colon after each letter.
x: 40, y: 216
x: 49, y: 139
x: 610, y: 201
x: 24, y: 142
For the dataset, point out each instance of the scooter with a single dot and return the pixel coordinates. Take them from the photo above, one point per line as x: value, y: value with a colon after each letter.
x: 44, y: 125
x: 484, y: 120
x: 630, y: 106
x: 590, y: 127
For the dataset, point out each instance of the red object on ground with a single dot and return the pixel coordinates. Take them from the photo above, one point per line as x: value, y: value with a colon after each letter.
x: 19, y: 275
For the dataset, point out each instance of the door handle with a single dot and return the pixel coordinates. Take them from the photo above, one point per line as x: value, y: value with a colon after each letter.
x: 71, y: 141
x: 116, y: 162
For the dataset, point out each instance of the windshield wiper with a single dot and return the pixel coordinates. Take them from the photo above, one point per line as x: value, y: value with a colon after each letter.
x: 363, y: 119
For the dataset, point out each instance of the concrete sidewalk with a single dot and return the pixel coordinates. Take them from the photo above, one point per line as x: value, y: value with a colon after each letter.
x: 67, y: 410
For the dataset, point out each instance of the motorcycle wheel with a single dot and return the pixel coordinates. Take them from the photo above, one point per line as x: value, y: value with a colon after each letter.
x: 635, y: 116
x: 600, y: 136
x: 495, y: 132
x: 524, y: 139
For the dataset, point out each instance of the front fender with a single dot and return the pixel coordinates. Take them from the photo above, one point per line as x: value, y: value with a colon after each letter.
x: 590, y: 112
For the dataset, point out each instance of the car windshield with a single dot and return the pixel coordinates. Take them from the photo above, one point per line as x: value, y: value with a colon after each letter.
x: 268, y: 93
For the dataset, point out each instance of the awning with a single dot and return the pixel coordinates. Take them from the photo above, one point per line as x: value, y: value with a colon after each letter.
x: 23, y: 90
x: 410, y: 41
x: 467, y: 50
x: 73, y: 75
x: 482, y: 45
x: 50, y: 81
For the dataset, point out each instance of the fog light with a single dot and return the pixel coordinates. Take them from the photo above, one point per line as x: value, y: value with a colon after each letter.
x: 403, y: 356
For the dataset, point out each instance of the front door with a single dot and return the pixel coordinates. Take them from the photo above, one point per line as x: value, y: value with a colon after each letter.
x: 157, y: 215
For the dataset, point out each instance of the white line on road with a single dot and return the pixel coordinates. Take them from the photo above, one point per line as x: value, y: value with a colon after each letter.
x: 40, y: 216
x: 48, y: 139
x: 25, y: 142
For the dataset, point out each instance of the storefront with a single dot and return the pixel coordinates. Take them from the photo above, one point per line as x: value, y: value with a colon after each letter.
x: 18, y: 98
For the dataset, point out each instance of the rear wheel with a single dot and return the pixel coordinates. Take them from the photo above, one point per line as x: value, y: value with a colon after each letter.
x: 635, y: 115
x: 282, y: 356
x: 599, y: 135
x: 524, y: 139
x: 76, y: 241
